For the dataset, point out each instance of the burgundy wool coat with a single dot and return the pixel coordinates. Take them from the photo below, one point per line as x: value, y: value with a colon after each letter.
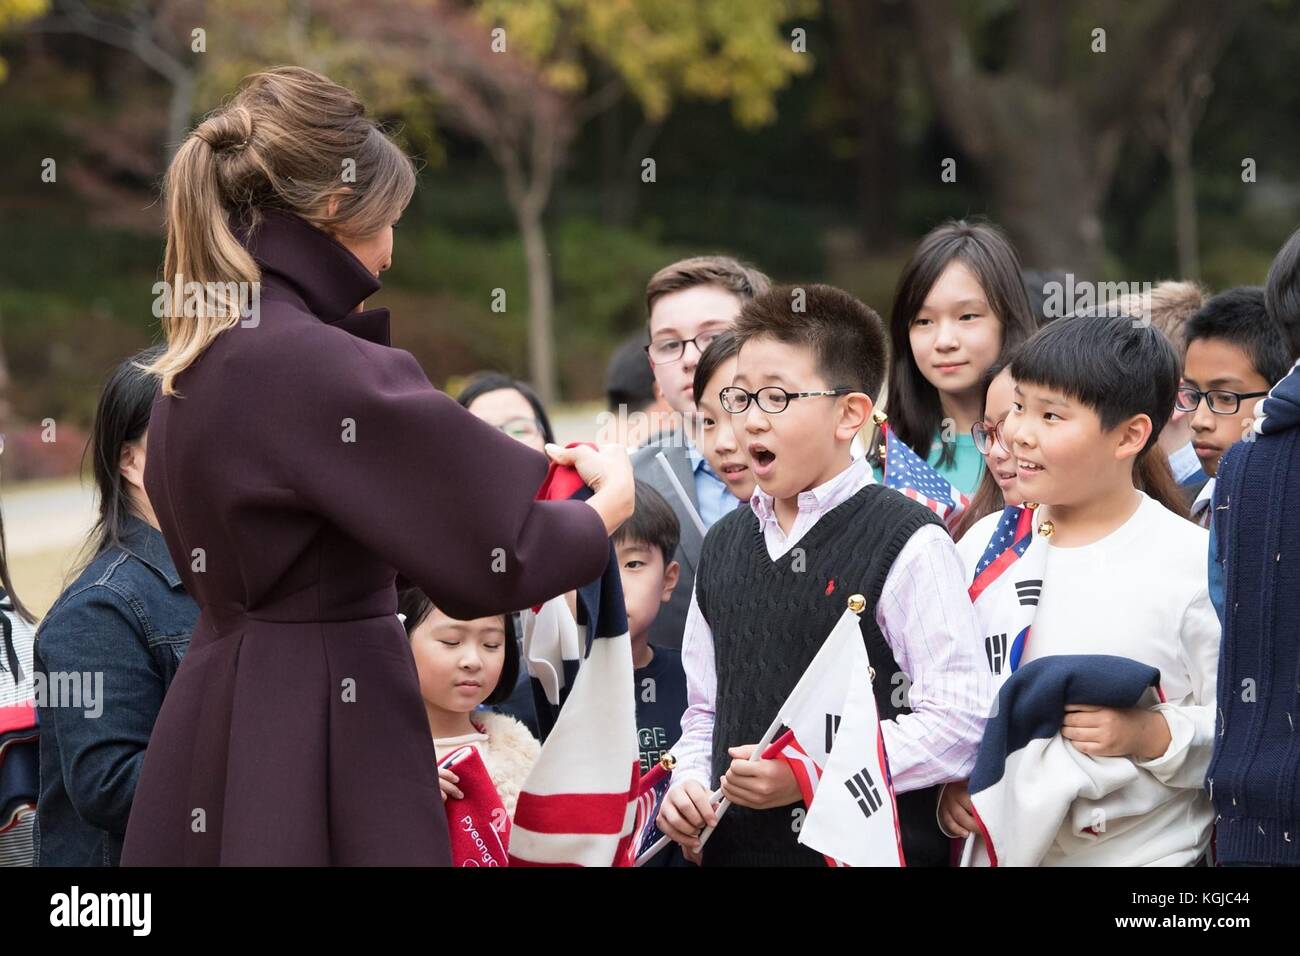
x: 303, y: 466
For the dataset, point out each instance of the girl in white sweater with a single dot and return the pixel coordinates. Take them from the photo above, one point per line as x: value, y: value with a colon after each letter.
x: 463, y: 664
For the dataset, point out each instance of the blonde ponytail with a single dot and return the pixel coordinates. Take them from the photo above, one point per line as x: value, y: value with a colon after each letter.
x: 290, y: 139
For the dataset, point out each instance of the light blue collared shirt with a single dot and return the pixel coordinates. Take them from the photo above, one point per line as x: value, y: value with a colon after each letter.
x: 712, y: 493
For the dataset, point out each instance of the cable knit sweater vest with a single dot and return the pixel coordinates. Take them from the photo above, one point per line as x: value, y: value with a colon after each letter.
x: 769, y: 618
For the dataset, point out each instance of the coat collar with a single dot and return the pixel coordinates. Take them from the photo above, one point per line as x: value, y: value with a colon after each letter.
x: 148, y: 545
x: 328, y: 277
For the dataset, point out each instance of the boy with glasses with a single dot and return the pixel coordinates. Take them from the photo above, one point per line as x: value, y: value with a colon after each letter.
x: 773, y: 580
x: 1235, y: 354
x: 689, y: 304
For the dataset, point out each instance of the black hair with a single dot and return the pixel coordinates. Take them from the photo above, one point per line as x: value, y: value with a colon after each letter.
x: 915, y: 409
x: 483, y: 382
x: 725, y: 346
x: 653, y: 522
x: 846, y: 336
x: 1282, y: 292
x: 1119, y: 367
x: 121, y: 417
x: 1115, y: 365
x: 1239, y: 316
x: 414, y: 606
x: 629, y: 379
x: 7, y: 584
x: 988, y: 493
x: 1036, y: 282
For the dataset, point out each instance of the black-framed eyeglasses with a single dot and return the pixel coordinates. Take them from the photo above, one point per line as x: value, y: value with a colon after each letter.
x: 671, y: 350
x: 985, y: 437
x: 771, y: 398
x: 1222, y: 401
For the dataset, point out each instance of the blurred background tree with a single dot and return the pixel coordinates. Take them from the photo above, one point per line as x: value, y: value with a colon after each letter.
x: 821, y: 165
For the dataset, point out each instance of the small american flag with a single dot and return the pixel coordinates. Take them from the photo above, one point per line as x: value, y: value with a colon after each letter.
x: 653, y: 786
x: 1006, y: 587
x: 907, y: 472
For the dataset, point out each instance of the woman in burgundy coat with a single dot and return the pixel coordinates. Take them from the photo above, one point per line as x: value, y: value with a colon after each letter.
x: 297, y: 463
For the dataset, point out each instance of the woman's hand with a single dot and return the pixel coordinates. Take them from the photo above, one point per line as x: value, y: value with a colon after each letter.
x: 608, y: 472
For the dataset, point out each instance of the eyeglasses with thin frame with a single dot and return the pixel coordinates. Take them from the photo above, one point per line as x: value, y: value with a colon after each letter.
x: 770, y: 398
x: 671, y: 350
x: 521, y: 428
x: 985, y: 436
x: 1222, y: 401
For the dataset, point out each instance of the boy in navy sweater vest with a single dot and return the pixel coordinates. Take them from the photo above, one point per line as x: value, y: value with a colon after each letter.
x: 773, y: 578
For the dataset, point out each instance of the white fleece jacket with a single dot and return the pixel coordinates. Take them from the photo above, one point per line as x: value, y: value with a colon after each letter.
x: 507, y: 748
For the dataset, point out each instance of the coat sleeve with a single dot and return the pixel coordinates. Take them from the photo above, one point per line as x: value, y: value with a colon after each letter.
x: 445, y: 498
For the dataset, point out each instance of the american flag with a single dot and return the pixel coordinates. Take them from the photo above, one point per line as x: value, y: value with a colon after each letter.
x: 907, y: 472
x: 653, y: 785
x: 578, y: 805
x: 1006, y: 588
x: 806, y: 772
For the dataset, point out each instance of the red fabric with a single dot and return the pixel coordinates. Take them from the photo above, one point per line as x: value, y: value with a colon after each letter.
x: 472, y: 820
x: 562, y: 481
x: 560, y: 813
x: 17, y: 717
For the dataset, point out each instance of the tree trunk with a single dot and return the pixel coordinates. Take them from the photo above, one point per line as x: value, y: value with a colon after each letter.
x: 1049, y: 195
x: 541, y: 300
x: 1048, y: 171
x: 1185, y: 223
x: 179, y: 112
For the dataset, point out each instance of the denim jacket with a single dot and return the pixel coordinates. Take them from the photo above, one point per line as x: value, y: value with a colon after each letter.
x: 104, y: 657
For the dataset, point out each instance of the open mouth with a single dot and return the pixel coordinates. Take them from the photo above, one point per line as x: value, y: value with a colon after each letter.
x: 762, y: 459
x: 733, y: 471
x: 1028, y: 468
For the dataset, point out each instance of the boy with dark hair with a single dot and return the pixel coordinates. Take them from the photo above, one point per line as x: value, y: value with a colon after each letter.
x: 645, y: 545
x: 773, y: 580
x: 1255, y: 579
x: 1125, y: 575
x: 1235, y: 354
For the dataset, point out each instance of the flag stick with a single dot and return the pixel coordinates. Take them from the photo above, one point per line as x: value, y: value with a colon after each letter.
x: 681, y: 493
x: 663, y: 841
x: 968, y: 850
x: 755, y: 754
